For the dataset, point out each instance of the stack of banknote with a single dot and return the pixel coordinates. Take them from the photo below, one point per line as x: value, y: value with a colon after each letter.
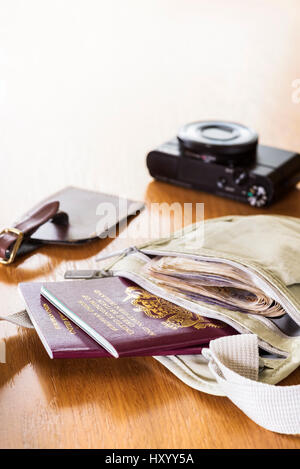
x: 214, y: 283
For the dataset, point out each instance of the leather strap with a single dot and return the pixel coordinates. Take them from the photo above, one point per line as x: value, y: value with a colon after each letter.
x: 84, y: 216
x: 29, y: 224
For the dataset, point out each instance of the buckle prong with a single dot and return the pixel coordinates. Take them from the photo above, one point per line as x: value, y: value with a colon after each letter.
x: 16, y: 246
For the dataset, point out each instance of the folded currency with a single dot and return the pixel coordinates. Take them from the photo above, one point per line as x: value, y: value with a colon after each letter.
x: 213, y: 283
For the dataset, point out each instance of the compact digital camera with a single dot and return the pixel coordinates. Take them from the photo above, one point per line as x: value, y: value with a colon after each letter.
x: 225, y: 158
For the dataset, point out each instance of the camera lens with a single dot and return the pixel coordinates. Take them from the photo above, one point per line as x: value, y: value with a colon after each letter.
x: 221, y: 133
x: 223, y: 139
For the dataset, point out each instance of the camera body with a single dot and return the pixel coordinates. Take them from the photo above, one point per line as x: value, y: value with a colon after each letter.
x: 224, y: 162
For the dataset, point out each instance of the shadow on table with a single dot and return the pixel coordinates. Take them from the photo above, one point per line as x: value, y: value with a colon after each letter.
x: 130, y: 383
x: 46, y: 259
x: 215, y: 206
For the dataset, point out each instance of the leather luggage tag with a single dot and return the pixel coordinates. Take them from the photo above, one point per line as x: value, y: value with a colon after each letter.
x: 71, y: 216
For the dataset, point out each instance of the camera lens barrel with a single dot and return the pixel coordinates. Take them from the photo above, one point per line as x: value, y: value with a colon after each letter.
x: 223, y: 139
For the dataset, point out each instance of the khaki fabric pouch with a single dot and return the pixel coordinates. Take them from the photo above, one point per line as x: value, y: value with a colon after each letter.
x: 243, y: 367
x: 268, y: 248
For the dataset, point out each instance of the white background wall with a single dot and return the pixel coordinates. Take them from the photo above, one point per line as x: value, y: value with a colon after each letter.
x: 86, y: 80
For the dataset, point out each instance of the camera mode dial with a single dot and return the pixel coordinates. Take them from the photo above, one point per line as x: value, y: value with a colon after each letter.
x: 257, y: 196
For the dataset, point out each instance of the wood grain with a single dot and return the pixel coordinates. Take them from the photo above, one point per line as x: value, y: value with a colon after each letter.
x: 85, y: 111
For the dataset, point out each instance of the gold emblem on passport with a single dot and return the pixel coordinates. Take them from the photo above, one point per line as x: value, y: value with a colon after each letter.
x: 175, y: 316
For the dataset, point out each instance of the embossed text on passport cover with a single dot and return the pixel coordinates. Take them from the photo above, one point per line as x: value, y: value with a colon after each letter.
x: 132, y: 320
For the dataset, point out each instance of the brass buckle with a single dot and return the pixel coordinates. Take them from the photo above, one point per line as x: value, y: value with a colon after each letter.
x: 16, y: 245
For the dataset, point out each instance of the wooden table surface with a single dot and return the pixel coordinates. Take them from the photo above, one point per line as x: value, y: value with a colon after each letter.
x: 86, y: 90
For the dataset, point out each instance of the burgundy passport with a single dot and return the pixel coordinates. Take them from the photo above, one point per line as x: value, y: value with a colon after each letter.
x: 132, y: 320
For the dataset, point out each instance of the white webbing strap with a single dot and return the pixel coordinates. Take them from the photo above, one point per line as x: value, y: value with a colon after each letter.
x: 234, y: 362
x: 2, y: 352
x: 19, y: 319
